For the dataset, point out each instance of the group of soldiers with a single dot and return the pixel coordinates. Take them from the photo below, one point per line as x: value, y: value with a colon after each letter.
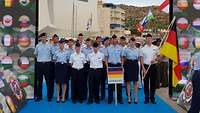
x: 85, y: 63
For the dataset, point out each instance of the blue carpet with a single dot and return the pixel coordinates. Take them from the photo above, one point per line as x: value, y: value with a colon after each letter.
x: 69, y: 107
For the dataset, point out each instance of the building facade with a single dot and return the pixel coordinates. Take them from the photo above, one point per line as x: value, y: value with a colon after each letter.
x: 111, y: 19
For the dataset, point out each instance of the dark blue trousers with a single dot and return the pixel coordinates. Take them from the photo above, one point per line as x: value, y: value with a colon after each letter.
x: 195, y: 105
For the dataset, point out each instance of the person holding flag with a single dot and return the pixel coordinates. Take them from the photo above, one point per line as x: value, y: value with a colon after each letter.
x: 148, y: 63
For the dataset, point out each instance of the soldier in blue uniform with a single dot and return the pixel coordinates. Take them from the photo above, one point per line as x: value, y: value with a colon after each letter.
x: 61, y: 57
x: 114, y: 59
x: 70, y: 49
x: 54, y: 47
x: 86, y: 50
x: 131, y: 56
x: 81, y: 40
x: 43, y: 54
x: 103, y: 50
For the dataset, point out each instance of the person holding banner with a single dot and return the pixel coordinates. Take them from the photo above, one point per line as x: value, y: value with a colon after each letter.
x: 148, y: 63
x: 114, y: 59
x: 95, y: 60
x: 77, y: 61
x: 131, y: 56
x: 61, y: 57
x: 43, y: 53
x: 195, y: 105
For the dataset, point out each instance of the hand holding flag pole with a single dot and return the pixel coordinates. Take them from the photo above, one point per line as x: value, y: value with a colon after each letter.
x: 162, y: 41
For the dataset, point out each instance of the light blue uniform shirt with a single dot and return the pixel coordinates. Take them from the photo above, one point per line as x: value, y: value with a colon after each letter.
x: 43, y: 52
x: 54, y: 48
x: 103, y: 50
x: 131, y: 53
x: 61, y: 56
x: 114, y: 54
x: 196, y: 60
x: 86, y: 50
x: 70, y: 51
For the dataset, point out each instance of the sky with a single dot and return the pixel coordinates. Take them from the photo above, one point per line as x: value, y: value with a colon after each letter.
x: 139, y: 3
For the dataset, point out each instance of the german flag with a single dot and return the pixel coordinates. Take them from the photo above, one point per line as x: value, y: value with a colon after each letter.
x: 115, y: 75
x: 170, y: 50
x: 116, y: 72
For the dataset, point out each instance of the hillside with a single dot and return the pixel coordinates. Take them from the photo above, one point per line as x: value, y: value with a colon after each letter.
x: 138, y: 13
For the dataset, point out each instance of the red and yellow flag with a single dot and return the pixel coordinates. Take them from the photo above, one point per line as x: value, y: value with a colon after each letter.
x: 169, y: 49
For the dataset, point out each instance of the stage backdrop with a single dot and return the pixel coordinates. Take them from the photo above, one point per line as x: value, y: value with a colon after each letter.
x: 187, y: 13
x: 17, y: 40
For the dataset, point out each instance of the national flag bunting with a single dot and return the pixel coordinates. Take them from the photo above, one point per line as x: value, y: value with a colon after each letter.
x: 145, y: 20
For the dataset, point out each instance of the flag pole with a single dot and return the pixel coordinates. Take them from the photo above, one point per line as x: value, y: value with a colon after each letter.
x: 170, y: 61
x: 76, y: 19
x: 116, y: 94
x: 73, y: 10
x: 163, y: 40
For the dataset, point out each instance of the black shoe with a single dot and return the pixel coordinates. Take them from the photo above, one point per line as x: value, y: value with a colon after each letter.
x: 66, y: 97
x: 63, y: 101
x: 49, y: 100
x: 135, y: 101
x: 102, y: 97
x: 109, y: 101
x: 146, y: 102
x: 90, y: 101
x: 121, y: 102
x: 38, y: 99
x: 81, y: 101
x: 129, y: 101
x: 74, y: 101
x: 57, y: 101
x: 153, y: 102
x: 97, y: 101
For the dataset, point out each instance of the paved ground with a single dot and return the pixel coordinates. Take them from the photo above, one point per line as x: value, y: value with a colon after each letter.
x: 163, y: 93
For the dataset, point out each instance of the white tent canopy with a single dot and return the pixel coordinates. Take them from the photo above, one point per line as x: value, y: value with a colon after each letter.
x: 55, y: 16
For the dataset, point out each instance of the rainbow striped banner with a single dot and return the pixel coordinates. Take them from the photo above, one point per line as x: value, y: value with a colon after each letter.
x: 115, y: 75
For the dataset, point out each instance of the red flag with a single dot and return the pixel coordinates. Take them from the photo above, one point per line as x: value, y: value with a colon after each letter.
x: 164, y: 5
